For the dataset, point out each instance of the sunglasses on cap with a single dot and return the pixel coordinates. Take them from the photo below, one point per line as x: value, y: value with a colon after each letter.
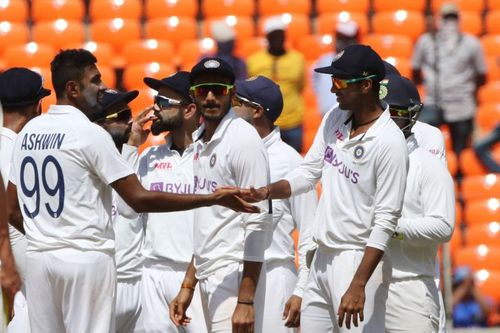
x: 411, y: 111
x: 218, y: 89
x: 165, y: 102
x: 342, y: 84
x: 240, y: 100
x: 122, y: 115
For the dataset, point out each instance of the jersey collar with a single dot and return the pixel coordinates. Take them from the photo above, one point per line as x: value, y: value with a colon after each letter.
x: 272, y: 137
x: 219, y: 131
x: 411, y: 143
x: 67, y: 109
x: 377, y: 126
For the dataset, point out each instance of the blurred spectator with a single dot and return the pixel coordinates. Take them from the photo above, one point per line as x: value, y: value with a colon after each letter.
x: 346, y: 33
x: 470, y: 307
x: 224, y: 36
x: 286, y: 68
x: 483, y: 150
x: 453, y: 67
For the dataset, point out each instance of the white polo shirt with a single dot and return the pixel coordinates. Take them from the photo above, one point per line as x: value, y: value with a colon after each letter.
x: 62, y: 166
x: 431, y: 139
x: 363, y: 180
x: 428, y: 216
x: 169, y: 236
x: 235, y: 156
x: 296, y: 212
x: 8, y: 138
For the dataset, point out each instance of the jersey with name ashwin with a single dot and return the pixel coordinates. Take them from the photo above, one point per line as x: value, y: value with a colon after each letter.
x: 169, y: 236
x: 428, y: 216
x: 235, y: 156
x: 363, y: 180
x: 62, y: 166
x: 431, y: 139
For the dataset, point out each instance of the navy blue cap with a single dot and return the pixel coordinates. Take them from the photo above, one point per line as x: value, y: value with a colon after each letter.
x: 212, y: 65
x: 21, y: 86
x: 263, y: 91
x: 399, y: 92
x: 390, y: 69
x: 178, y: 82
x: 355, y: 61
x: 111, y: 98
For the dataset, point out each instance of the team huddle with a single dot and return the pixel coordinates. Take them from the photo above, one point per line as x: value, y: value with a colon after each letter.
x: 195, y: 234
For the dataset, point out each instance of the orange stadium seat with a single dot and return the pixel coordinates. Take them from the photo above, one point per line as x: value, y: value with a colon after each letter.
x: 493, y: 4
x: 481, y: 187
x: 491, y: 45
x: 145, y: 51
x: 219, y: 8
x: 493, y: 65
x: 166, y: 8
x: 491, y: 22
x: 390, y: 45
x: 14, y: 11
x: 12, y: 33
x: 400, y: 22
x: 146, y: 96
x: 393, y: 5
x: 488, y: 281
x: 489, y: 93
x: 334, y: 6
x: 458, y: 213
x: 175, y: 29
x: 107, y: 75
x: 59, y: 33
x: 488, y: 116
x: 471, y: 22
x: 326, y: 23
x: 469, y: 164
x: 403, y: 65
x: 51, y: 10
x: 191, y: 51
x: 482, y: 211
x: 276, y: 7
x: 452, y: 162
x: 29, y: 55
x: 484, y: 233
x: 478, y: 257
x: 456, y: 240
x: 115, y: 31
x: 313, y: 46
x: 134, y: 74
x: 249, y: 46
x: 109, y: 9
x: 298, y: 26
x: 243, y: 26
x: 463, y: 5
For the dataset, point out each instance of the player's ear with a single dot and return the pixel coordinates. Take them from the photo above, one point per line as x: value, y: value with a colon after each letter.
x: 366, y: 86
x: 72, y: 89
x: 191, y: 111
x: 258, y: 113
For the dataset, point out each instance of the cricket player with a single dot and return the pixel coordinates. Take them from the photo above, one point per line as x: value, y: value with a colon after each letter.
x: 228, y: 247
x: 127, y: 134
x: 259, y: 101
x: 169, y: 168
x: 427, y: 221
x: 361, y: 158
x: 63, y: 167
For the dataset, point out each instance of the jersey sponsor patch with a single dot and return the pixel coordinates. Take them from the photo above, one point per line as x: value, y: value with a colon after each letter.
x: 157, y: 186
x: 333, y: 159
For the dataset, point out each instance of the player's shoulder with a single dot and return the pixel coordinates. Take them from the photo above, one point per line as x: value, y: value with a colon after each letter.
x: 286, y: 152
x: 390, y: 136
x: 430, y: 166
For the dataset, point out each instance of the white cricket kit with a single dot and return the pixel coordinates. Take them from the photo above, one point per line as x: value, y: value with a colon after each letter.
x: 129, y: 239
x: 62, y: 166
x: 296, y: 212
x: 223, y: 239
x: 428, y: 219
x: 2, y: 317
x: 363, y: 180
x: 169, y: 239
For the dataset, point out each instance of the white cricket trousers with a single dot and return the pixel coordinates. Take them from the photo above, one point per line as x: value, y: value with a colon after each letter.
x: 219, y: 296
x: 281, y: 277
x: 71, y: 291
x: 331, y: 274
x: 128, y: 306
x: 20, y: 322
x: 160, y: 284
x: 412, y: 306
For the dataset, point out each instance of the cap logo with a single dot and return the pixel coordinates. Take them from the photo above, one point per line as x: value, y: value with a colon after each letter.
x: 338, y: 56
x: 382, y: 93
x: 359, y: 151
x: 212, y: 64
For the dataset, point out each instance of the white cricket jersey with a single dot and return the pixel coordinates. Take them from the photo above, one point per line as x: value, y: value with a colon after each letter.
x: 62, y: 166
x: 235, y: 156
x: 363, y: 181
x: 428, y: 216
x: 129, y: 231
x: 169, y: 236
x: 296, y: 212
x: 431, y: 139
x: 8, y: 138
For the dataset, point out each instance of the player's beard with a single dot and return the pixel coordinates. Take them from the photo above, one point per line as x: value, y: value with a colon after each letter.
x: 164, y: 124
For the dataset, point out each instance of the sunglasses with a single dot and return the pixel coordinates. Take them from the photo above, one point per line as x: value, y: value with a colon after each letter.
x: 218, y: 89
x: 122, y: 115
x: 342, y: 84
x: 240, y: 100
x: 165, y: 102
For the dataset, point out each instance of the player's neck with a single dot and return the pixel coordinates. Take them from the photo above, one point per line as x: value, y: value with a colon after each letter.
x: 181, y: 139
x: 14, y: 121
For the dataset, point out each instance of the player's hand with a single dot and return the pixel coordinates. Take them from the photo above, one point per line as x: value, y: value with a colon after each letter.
x: 292, y: 311
x: 243, y: 319
x: 138, y: 134
x: 179, y: 306
x: 229, y: 197
x: 11, y: 283
x: 351, y: 306
x: 253, y: 194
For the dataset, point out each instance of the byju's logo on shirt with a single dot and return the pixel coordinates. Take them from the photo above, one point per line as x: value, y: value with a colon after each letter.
x: 156, y: 187
x: 331, y: 158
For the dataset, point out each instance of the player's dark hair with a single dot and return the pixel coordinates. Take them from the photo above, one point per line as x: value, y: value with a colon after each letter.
x: 69, y: 65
